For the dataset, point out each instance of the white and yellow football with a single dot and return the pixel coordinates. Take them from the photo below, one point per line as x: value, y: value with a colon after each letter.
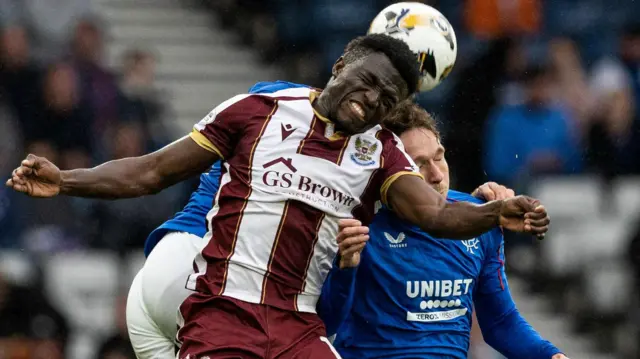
x: 427, y: 32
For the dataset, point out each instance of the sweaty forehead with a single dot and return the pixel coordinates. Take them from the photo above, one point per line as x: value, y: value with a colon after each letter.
x: 421, y: 143
x: 378, y: 65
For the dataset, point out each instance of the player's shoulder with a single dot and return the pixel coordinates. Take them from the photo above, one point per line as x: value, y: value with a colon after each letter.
x: 386, y: 137
x: 290, y: 94
x: 282, y: 90
x: 457, y: 196
x: 269, y: 87
x: 265, y: 94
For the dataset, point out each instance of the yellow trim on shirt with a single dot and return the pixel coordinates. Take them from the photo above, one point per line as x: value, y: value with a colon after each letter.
x: 204, y: 142
x: 312, y: 97
x: 387, y: 183
x: 336, y: 135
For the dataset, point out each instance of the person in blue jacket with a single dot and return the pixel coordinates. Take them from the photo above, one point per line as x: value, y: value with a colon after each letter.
x: 412, y: 294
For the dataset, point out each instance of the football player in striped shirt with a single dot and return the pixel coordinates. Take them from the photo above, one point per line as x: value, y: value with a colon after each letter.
x: 294, y: 163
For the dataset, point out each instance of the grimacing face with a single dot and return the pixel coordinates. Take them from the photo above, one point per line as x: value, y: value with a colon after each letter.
x: 427, y: 152
x: 361, y: 94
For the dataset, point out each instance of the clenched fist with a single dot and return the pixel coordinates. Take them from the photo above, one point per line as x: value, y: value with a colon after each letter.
x: 36, y: 177
x: 524, y: 214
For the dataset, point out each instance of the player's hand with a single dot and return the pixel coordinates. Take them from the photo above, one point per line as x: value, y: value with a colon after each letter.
x: 524, y: 214
x: 36, y: 177
x: 492, y: 191
x: 352, y: 238
x: 559, y: 356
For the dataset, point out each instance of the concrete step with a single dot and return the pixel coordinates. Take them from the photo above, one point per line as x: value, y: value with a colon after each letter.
x: 208, y: 71
x: 156, y: 16
x: 199, y: 65
x: 102, y: 4
x: 169, y: 34
x: 186, y: 53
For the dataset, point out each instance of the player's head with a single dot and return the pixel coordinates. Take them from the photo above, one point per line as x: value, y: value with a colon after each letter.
x: 374, y: 74
x: 630, y: 42
x: 537, y: 80
x: 419, y: 134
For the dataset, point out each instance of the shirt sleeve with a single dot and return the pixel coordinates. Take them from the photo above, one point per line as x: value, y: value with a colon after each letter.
x: 221, y: 129
x: 394, y: 162
x: 336, y: 298
x: 492, y: 276
x: 215, y: 174
x: 503, y: 328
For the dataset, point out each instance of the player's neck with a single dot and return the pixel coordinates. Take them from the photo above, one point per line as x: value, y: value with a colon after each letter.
x: 321, y: 107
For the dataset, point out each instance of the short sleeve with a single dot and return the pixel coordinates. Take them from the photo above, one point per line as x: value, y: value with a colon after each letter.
x: 395, y: 162
x: 221, y: 129
x: 493, y: 277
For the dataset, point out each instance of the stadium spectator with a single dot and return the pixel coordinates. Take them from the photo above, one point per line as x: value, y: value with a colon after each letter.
x: 10, y: 140
x: 48, y: 25
x: 488, y: 82
x: 495, y: 18
x: 615, y: 83
x: 64, y: 123
x: 19, y: 77
x: 98, y: 85
x: 571, y: 88
x: 533, y: 138
x: 30, y: 327
x: 117, y: 346
x: 142, y: 101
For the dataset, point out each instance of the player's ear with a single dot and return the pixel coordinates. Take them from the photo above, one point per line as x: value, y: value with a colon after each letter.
x: 338, y: 67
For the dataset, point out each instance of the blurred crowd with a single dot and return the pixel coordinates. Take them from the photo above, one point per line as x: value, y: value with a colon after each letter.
x: 532, y: 93
x: 59, y: 100
x: 561, y: 77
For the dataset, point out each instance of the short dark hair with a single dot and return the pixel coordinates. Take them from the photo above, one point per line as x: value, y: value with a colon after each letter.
x: 535, y: 72
x: 408, y: 116
x: 631, y: 29
x: 398, y: 52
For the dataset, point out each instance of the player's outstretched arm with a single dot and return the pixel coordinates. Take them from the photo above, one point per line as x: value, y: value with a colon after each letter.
x: 415, y: 201
x: 506, y: 331
x: 124, y: 178
x: 502, y: 325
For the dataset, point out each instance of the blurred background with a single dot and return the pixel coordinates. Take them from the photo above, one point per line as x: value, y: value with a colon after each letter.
x: 544, y: 97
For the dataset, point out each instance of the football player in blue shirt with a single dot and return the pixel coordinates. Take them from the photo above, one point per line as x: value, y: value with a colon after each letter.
x: 413, y: 294
x: 158, y: 289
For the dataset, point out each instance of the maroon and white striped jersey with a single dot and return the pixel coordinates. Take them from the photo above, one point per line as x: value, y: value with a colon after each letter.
x: 287, y: 178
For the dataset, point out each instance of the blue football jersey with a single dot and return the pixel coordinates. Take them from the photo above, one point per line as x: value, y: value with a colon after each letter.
x: 192, y: 219
x: 413, y: 294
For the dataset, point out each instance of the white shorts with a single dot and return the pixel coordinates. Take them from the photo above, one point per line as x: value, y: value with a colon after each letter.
x: 157, y: 292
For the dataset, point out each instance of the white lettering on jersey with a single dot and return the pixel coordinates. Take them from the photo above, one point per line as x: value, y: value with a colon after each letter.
x: 436, y: 294
x: 436, y: 316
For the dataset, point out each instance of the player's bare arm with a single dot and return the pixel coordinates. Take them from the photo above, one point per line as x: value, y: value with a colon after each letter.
x: 351, y: 228
x: 415, y: 201
x: 123, y: 178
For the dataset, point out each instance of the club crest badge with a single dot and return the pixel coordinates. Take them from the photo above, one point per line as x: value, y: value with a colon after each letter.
x: 364, y: 152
